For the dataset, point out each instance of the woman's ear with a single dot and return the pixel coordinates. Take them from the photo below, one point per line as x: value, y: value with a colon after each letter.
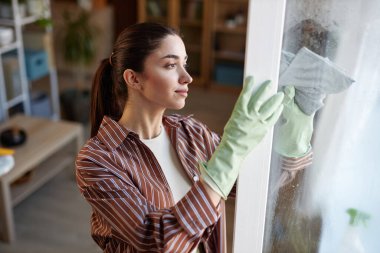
x: 132, y: 79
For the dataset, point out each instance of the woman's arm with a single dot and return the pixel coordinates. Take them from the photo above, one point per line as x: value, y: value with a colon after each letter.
x: 253, y: 115
x: 136, y: 221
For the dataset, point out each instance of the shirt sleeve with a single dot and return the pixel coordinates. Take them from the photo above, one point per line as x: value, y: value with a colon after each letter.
x: 290, y: 167
x: 134, y: 220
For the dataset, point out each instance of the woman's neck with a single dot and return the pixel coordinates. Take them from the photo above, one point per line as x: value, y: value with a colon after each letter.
x: 145, y: 123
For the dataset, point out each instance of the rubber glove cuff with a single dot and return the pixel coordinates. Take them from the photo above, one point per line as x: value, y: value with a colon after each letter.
x: 209, y: 181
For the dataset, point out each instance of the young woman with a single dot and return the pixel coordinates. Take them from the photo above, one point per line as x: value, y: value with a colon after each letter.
x: 157, y: 183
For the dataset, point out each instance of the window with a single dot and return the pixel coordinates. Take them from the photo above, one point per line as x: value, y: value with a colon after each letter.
x: 331, y: 205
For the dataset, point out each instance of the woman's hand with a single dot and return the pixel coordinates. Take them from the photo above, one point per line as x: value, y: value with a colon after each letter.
x: 253, y: 115
x: 294, y: 134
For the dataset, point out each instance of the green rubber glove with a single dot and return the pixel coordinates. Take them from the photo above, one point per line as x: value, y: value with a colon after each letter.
x: 253, y: 115
x: 294, y: 135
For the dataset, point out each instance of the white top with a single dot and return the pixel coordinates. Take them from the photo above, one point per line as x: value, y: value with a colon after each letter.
x: 166, y: 156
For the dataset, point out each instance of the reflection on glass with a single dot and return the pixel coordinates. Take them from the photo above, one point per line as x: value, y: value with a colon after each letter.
x: 324, y: 191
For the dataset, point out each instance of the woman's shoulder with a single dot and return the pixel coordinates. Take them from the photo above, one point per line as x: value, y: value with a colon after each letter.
x: 93, y: 148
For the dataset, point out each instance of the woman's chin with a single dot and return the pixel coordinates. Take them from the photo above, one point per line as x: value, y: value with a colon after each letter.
x: 178, y: 106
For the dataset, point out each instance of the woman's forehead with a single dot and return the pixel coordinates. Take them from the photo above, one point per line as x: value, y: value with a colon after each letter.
x: 171, y: 45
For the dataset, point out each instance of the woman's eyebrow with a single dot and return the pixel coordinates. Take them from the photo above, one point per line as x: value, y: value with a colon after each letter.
x: 172, y: 56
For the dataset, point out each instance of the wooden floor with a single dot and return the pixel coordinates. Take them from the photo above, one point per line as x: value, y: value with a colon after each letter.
x: 55, y: 218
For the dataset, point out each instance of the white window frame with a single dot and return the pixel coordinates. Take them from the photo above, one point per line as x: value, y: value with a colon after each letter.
x: 262, y: 60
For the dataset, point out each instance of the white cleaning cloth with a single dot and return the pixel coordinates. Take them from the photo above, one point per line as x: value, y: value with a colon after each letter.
x: 313, y: 77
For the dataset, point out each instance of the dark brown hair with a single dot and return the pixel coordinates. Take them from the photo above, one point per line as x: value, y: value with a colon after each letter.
x: 109, y: 91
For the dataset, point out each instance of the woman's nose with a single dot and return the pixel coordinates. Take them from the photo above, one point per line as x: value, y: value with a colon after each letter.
x: 186, y: 78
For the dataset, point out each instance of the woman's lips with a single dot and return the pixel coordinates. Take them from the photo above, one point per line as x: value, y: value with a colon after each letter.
x: 182, y: 92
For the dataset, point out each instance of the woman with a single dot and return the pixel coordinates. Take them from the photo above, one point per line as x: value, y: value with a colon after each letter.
x: 156, y: 183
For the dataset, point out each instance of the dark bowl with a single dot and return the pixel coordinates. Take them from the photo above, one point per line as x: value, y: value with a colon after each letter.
x: 12, y: 137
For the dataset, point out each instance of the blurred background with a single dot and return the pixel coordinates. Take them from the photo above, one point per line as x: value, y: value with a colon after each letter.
x: 49, y: 51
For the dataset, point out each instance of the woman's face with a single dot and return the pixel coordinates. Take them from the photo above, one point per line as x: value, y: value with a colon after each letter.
x: 165, y: 79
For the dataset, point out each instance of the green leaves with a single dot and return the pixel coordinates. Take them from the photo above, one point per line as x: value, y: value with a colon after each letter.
x: 78, y: 39
x: 357, y: 217
x: 44, y: 22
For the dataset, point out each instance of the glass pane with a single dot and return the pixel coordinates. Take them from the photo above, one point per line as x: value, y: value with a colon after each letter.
x: 331, y: 57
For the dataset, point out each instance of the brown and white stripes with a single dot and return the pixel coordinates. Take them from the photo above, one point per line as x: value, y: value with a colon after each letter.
x: 133, y: 209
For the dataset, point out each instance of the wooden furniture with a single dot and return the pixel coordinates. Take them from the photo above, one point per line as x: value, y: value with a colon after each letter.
x: 124, y: 13
x: 228, y: 28
x: 214, y: 33
x: 50, y: 147
x: 191, y: 17
x: 17, y: 92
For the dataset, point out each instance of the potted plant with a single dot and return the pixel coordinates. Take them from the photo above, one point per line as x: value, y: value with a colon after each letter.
x: 78, y: 39
x: 78, y: 51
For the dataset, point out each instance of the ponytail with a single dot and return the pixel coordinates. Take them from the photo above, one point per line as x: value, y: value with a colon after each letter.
x: 103, y: 99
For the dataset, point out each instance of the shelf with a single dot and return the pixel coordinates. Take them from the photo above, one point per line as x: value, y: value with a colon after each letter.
x: 24, y: 21
x: 193, y: 48
x: 160, y: 19
x: 29, y: 20
x: 16, y: 100
x: 203, y: 26
x: 191, y: 22
x: 232, y: 89
x: 7, y: 48
x: 19, y: 24
x: 40, y: 176
x: 234, y: 1
x: 6, y: 21
x: 242, y: 30
x: 229, y: 55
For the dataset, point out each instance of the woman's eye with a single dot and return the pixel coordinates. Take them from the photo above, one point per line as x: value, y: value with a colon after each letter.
x: 171, y: 66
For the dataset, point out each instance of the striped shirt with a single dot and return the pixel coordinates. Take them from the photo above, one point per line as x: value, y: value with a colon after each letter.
x: 133, y: 208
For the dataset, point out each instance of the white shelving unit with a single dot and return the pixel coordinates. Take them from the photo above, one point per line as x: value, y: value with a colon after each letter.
x: 18, y: 23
